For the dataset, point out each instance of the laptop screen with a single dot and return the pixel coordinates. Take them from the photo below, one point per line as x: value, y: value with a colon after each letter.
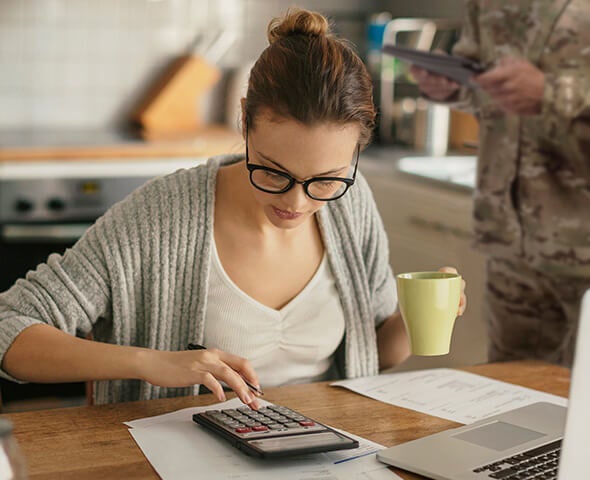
x: 573, y: 463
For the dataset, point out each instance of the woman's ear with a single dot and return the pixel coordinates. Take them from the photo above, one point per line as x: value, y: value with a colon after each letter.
x: 243, y: 105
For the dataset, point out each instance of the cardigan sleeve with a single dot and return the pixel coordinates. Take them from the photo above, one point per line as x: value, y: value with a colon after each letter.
x: 376, y: 256
x: 69, y: 292
x: 73, y: 291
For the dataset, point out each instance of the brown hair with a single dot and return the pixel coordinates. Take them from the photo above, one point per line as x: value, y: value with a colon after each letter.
x: 311, y: 76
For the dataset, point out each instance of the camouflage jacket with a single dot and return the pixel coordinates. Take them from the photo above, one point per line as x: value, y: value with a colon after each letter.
x: 532, y: 198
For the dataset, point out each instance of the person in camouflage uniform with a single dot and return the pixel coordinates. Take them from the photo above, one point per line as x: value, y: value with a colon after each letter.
x: 532, y: 198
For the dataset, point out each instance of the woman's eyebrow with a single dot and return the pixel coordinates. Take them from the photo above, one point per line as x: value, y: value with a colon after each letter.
x: 277, y: 164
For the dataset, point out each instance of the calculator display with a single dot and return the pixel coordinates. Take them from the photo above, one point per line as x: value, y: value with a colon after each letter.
x: 300, y: 441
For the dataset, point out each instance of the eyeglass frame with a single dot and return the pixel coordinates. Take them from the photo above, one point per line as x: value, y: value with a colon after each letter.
x: 349, y: 182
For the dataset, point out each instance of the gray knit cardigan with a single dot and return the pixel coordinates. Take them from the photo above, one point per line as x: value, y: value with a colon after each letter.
x: 140, y: 276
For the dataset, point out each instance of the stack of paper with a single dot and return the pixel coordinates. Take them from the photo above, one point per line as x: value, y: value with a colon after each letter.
x: 179, y: 449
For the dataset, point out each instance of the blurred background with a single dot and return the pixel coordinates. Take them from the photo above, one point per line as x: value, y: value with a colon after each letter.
x: 97, y: 97
x: 84, y: 64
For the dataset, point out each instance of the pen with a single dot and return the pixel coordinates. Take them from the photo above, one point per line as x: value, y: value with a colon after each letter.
x: 196, y: 346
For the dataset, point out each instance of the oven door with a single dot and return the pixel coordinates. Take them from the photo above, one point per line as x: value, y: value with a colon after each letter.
x: 22, y: 248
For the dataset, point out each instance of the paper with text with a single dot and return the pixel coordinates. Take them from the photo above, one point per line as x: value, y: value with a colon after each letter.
x: 455, y: 395
x: 179, y: 449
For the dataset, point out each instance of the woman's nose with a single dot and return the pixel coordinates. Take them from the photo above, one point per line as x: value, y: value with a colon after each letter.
x: 296, y: 198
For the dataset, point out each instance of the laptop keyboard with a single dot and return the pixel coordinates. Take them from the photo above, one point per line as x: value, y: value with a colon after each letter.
x: 539, y: 464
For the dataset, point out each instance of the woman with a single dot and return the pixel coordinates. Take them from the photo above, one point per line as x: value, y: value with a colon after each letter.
x: 279, y: 257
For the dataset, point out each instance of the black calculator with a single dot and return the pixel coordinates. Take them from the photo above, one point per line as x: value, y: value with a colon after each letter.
x: 273, y: 431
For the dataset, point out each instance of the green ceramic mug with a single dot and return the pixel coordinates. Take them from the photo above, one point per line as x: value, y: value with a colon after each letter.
x: 429, y: 302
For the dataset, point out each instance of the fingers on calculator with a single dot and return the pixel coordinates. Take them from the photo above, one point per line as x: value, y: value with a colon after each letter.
x: 234, y: 371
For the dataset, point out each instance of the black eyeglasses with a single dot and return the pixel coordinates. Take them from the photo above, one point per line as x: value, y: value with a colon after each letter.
x: 324, y: 189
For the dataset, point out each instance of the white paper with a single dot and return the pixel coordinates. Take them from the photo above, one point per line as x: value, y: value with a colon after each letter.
x: 456, y: 395
x: 178, y: 449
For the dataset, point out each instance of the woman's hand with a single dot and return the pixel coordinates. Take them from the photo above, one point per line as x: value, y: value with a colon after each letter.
x: 463, y: 299
x: 435, y: 87
x: 207, y: 367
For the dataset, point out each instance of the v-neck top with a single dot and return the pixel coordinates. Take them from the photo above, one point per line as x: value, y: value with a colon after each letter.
x: 294, y: 344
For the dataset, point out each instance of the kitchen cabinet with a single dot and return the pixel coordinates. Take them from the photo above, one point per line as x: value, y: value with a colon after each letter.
x: 429, y: 226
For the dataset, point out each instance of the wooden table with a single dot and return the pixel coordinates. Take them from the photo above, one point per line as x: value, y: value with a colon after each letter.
x: 92, y: 442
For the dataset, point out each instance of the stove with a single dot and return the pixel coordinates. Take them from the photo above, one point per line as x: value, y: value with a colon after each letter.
x: 57, y: 192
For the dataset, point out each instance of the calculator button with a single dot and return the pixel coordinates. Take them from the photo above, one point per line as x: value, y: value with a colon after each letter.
x: 260, y: 428
x: 298, y: 418
x: 307, y: 423
x: 243, y: 430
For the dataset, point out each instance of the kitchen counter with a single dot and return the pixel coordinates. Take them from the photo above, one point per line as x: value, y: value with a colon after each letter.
x: 73, y: 146
x: 456, y: 172
x: 451, y: 172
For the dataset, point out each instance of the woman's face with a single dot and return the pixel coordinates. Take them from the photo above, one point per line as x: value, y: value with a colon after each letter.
x: 302, y: 152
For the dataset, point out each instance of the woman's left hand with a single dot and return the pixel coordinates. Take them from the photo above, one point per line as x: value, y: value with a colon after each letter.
x: 463, y: 300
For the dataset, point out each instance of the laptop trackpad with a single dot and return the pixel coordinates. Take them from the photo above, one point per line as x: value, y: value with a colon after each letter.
x: 499, y: 436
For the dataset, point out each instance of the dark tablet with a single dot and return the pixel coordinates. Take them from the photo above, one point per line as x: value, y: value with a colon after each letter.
x: 459, y: 69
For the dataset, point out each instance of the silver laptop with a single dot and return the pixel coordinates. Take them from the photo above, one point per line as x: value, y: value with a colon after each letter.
x: 525, y: 443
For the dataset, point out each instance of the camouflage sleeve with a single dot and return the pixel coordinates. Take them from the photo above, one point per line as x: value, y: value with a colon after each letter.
x: 567, y: 95
x: 566, y: 99
x: 468, y: 46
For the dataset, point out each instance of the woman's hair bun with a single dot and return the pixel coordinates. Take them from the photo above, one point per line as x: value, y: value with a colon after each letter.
x: 297, y: 22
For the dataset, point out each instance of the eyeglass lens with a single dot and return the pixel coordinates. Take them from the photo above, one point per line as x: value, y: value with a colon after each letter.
x: 275, y: 182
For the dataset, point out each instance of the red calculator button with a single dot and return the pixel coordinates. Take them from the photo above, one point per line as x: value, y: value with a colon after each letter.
x: 307, y: 423
x: 243, y: 430
x: 260, y: 428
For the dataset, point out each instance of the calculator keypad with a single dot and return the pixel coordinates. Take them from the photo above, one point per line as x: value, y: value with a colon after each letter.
x: 274, y: 419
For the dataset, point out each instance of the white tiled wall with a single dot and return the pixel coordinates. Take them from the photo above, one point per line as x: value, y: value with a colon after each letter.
x: 84, y: 63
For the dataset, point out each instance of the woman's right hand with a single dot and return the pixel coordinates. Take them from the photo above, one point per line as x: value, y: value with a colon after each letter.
x: 206, y: 367
x: 434, y: 86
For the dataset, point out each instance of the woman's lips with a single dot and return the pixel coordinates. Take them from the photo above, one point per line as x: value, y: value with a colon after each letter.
x: 285, y: 215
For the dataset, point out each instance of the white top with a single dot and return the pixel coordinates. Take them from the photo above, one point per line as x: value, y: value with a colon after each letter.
x: 292, y: 345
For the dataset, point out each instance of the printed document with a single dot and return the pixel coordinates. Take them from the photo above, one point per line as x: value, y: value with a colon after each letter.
x: 179, y: 449
x: 456, y: 395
